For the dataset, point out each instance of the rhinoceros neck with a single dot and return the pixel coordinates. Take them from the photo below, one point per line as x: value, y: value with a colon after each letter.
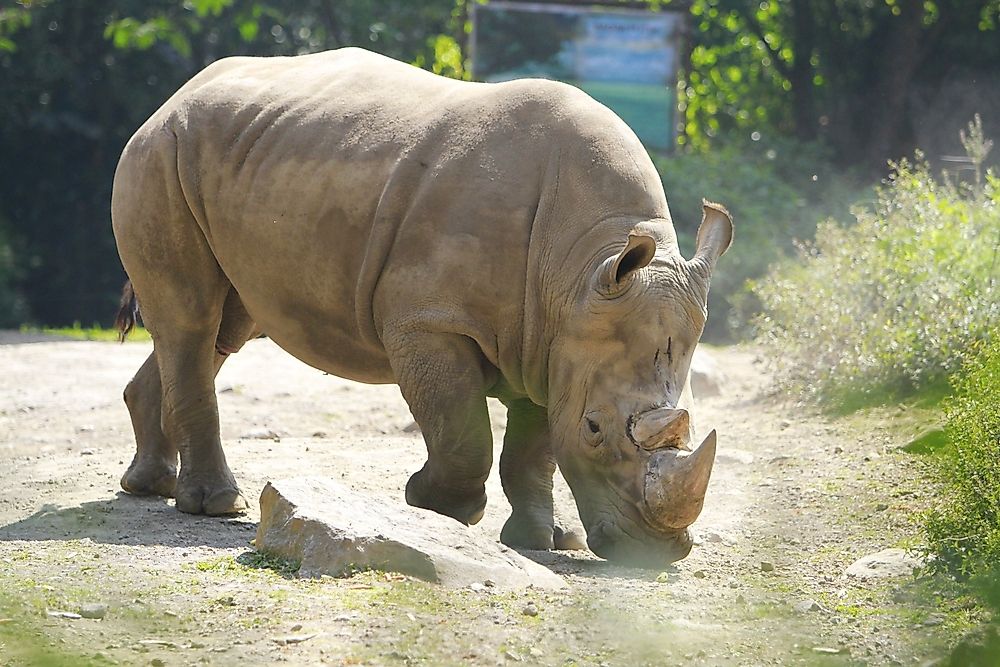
x: 582, y: 219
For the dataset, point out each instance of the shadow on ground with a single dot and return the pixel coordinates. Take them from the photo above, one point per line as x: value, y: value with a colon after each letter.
x: 582, y: 563
x: 129, y: 520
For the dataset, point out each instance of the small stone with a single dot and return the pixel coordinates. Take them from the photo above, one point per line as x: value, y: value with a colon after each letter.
x: 296, y: 627
x: 156, y: 662
x: 535, y: 652
x: 707, y: 378
x: 807, y: 605
x: 93, y: 610
x: 766, y: 566
x: 260, y: 434
x: 885, y: 564
x: 740, y: 599
x: 292, y: 639
x: 663, y: 577
x: 932, y: 621
x: 699, y: 574
x: 784, y: 423
x: 319, y: 434
x: 827, y: 650
x: 838, y: 450
x: 64, y: 614
x: 86, y: 452
x: 714, y: 537
x: 530, y: 609
x: 477, y: 587
x: 412, y: 427
x: 489, y: 583
x: 881, y: 507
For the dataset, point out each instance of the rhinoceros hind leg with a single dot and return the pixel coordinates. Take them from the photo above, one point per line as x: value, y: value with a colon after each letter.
x: 214, y: 493
x: 519, y: 534
x: 443, y: 378
x: 568, y: 540
x: 153, y: 471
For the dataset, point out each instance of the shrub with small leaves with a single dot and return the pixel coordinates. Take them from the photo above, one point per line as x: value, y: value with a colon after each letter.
x: 893, y: 303
x: 964, y: 528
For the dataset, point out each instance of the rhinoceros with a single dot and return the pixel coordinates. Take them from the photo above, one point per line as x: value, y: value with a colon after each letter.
x: 461, y: 240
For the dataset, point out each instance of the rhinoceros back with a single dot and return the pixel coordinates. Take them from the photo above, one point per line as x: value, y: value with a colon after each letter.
x: 343, y: 193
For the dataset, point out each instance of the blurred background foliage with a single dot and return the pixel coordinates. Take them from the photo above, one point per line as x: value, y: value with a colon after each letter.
x: 893, y: 303
x: 789, y: 112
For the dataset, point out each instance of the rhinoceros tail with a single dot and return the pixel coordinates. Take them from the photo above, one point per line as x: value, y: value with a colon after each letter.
x: 128, y: 312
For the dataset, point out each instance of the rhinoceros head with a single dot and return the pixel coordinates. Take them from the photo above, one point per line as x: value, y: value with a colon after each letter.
x: 619, y: 398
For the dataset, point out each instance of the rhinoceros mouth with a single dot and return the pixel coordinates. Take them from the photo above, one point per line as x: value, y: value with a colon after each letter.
x: 654, y: 548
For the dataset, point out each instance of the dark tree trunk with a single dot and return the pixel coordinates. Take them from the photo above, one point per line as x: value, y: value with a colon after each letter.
x: 896, y: 66
x: 801, y: 73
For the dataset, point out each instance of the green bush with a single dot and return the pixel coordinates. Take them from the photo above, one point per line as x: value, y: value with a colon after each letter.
x: 964, y: 529
x: 776, y: 192
x: 893, y: 303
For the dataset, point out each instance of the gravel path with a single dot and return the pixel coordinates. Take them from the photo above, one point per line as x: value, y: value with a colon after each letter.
x: 795, y: 499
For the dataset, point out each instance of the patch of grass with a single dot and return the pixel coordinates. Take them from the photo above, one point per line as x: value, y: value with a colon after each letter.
x: 93, y: 333
x: 250, y: 563
x: 256, y: 560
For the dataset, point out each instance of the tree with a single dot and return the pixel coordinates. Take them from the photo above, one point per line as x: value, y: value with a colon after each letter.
x: 839, y: 71
x: 78, y: 78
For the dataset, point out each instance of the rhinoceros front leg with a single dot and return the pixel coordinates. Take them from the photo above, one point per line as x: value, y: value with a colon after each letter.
x: 443, y: 378
x: 526, y: 469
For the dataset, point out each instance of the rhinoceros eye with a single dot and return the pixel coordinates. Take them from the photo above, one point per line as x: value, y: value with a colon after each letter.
x: 592, y: 432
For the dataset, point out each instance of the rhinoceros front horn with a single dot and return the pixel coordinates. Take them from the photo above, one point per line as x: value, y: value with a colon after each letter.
x: 676, y: 482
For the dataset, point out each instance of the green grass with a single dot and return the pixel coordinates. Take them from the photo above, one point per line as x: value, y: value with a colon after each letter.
x: 94, y: 333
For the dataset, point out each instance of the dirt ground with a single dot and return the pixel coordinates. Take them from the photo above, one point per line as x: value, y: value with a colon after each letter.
x: 795, y: 498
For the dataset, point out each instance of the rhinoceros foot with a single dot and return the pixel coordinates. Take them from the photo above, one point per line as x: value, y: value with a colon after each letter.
x: 567, y: 540
x: 467, y: 507
x: 150, y: 477
x: 524, y: 533
x: 214, y: 495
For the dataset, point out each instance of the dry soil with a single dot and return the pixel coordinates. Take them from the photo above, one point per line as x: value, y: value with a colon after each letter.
x: 795, y: 499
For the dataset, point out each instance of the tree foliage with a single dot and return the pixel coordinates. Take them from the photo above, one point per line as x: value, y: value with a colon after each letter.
x: 77, y: 78
x: 850, y: 73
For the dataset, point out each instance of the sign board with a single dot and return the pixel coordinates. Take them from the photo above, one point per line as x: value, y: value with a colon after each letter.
x: 626, y: 59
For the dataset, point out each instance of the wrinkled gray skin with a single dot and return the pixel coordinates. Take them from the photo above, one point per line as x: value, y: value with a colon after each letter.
x: 462, y: 240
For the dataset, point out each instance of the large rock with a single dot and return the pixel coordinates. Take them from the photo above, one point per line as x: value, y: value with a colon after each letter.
x: 884, y: 564
x: 706, y: 378
x: 331, y: 529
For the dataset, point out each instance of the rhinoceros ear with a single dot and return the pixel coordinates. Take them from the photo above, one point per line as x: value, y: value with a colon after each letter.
x: 616, y: 272
x: 714, y: 235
